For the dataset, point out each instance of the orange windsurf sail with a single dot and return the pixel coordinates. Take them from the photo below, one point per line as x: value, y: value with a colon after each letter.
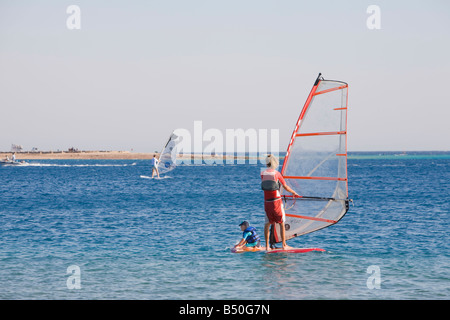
x: 315, y: 165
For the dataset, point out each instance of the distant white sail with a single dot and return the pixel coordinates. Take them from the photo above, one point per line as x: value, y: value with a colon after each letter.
x: 315, y: 165
x: 168, y: 155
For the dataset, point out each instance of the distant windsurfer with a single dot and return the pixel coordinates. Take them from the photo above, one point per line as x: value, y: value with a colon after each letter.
x: 249, y: 236
x: 272, y: 180
x: 155, y: 166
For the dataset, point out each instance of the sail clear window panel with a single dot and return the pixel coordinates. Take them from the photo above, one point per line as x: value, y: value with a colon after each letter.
x: 322, y: 116
x: 317, y: 156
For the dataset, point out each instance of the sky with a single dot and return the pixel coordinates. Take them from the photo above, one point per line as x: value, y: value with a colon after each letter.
x: 136, y: 70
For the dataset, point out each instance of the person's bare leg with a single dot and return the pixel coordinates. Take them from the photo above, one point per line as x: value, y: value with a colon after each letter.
x: 283, y: 237
x: 267, y: 234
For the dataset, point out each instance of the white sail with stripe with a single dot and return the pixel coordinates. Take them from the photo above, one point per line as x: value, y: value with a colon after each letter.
x: 168, y: 155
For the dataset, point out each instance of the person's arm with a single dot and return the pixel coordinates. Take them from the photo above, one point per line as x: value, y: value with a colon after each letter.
x: 285, y: 186
x: 288, y: 189
x: 241, y: 243
x: 243, y: 240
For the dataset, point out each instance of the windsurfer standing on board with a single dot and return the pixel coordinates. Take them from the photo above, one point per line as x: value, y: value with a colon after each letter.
x: 155, y: 166
x: 273, y: 205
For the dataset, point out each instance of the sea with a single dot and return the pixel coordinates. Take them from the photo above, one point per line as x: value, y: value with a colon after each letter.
x: 97, y: 229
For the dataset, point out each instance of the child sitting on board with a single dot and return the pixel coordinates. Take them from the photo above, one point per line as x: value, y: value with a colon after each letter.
x: 249, y: 236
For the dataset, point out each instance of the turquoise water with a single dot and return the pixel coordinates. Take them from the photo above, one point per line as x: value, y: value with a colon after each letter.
x: 135, y: 238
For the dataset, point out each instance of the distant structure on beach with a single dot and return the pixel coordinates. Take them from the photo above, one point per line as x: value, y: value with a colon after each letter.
x: 16, y: 148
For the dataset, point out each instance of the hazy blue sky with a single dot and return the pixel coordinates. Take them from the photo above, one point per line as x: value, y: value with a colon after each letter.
x: 136, y: 70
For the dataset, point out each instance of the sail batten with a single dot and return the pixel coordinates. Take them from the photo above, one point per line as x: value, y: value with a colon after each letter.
x: 329, y: 90
x: 315, y: 178
x: 310, y: 218
x: 315, y: 165
x: 320, y: 133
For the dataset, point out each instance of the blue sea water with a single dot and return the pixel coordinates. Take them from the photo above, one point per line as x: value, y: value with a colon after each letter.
x: 137, y: 238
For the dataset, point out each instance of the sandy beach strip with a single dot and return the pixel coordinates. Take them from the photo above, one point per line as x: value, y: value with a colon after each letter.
x: 57, y: 155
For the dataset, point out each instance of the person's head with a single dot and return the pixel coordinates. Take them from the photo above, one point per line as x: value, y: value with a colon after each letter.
x: 244, y: 225
x: 154, y: 155
x: 272, y: 161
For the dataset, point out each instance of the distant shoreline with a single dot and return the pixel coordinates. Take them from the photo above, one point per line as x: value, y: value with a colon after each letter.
x: 102, y: 155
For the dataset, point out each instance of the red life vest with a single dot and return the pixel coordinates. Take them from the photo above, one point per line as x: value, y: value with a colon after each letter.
x: 273, y: 205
